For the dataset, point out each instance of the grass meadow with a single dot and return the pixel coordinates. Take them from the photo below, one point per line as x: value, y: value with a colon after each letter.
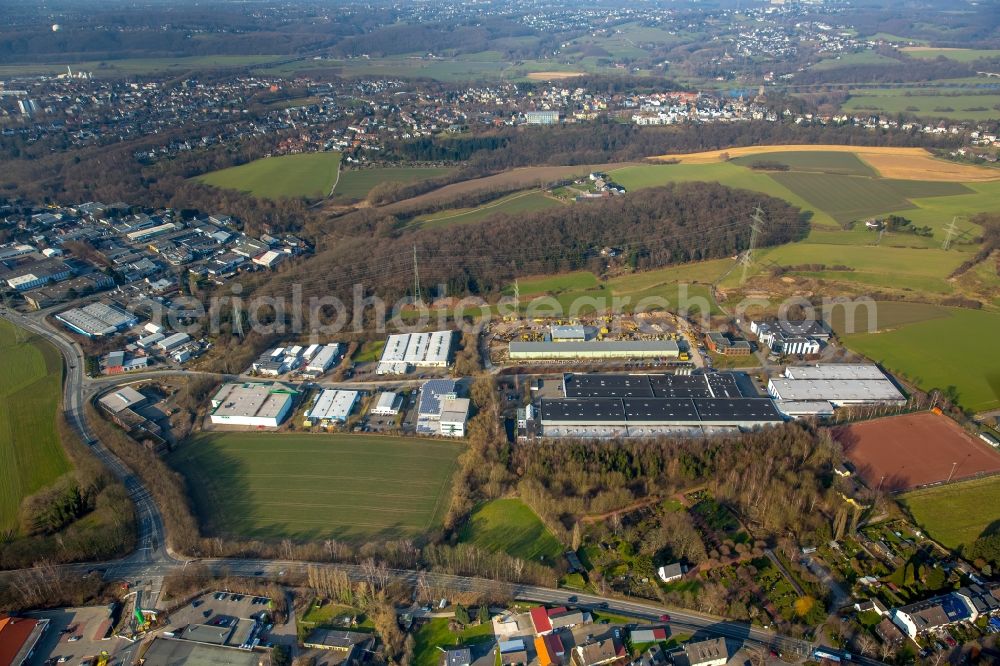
x: 31, y: 455
x: 941, y: 352
x: 309, y: 175
x: 529, y: 201
x: 340, y: 486
x: 953, y: 514
x: 357, y: 183
x: 509, y: 525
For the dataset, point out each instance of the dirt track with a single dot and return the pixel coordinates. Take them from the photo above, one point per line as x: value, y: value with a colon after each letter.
x: 904, y: 452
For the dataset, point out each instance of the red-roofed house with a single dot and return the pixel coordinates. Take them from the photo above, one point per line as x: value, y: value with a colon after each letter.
x: 555, y: 646
x: 539, y: 619
x: 18, y: 637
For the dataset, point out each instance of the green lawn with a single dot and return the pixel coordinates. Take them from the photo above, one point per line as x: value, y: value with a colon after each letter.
x: 309, y: 175
x: 310, y: 487
x: 942, y: 352
x: 521, y: 202
x: 511, y: 526
x: 435, y: 634
x: 357, y: 183
x: 31, y: 455
x: 956, y: 514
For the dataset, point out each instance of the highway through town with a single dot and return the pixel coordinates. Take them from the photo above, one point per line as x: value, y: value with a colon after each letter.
x: 152, y: 560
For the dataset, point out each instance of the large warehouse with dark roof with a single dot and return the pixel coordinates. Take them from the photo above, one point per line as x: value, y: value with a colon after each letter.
x: 618, y: 405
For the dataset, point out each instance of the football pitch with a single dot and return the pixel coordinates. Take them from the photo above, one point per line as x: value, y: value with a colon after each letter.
x: 308, y: 487
x: 310, y: 175
x: 31, y: 455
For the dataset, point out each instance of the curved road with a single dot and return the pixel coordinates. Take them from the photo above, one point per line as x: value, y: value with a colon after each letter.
x: 152, y: 560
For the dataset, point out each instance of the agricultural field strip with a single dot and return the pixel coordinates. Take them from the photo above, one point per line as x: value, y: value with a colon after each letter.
x: 267, y: 515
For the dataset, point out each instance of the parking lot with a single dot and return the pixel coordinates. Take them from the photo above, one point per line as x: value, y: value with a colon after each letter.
x: 76, y: 636
x: 221, y: 618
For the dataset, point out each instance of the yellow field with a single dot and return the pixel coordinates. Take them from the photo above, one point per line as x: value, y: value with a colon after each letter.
x: 553, y: 76
x: 901, y: 163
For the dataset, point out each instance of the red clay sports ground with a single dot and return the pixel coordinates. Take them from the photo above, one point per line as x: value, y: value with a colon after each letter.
x: 904, y: 452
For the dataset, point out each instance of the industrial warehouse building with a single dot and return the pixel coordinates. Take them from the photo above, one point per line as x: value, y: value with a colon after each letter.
x: 387, y: 404
x: 405, y: 351
x: 620, y: 405
x: 323, y: 360
x: 837, y: 384
x: 252, y: 404
x: 332, y: 406
x: 791, y: 337
x: 440, y: 411
x: 97, y: 320
x: 596, y: 349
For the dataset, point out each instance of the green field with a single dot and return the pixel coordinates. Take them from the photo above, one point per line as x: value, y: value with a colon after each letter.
x: 959, y: 55
x: 521, y: 202
x: 844, y: 198
x: 31, y: 455
x: 309, y: 175
x: 941, y: 352
x: 950, y: 103
x: 310, y: 487
x: 958, y: 513
x: 509, y: 525
x: 140, y: 66
x: 818, y: 161
x: 357, y: 183
x: 853, y: 59
x: 725, y: 173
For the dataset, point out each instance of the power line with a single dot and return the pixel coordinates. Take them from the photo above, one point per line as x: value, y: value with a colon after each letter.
x: 756, y: 222
x: 416, y: 277
x: 950, y: 233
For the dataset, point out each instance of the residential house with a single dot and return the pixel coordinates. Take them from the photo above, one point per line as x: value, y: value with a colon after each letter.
x: 711, y: 652
x: 599, y: 652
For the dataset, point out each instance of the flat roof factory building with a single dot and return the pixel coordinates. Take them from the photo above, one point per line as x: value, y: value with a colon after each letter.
x: 595, y: 349
x: 332, y: 405
x: 838, y: 384
x: 97, y: 320
x: 405, y: 351
x: 324, y: 359
x: 252, y: 404
x: 620, y: 405
x: 387, y: 404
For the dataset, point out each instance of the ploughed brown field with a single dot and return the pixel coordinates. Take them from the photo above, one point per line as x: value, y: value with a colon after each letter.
x: 904, y: 452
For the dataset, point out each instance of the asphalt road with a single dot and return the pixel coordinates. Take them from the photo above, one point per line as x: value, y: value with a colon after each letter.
x: 152, y: 560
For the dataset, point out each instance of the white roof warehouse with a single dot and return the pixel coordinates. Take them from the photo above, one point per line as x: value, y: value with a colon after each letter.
x: 333, y: 405
x: 837, y: 384
x: 261, y: 405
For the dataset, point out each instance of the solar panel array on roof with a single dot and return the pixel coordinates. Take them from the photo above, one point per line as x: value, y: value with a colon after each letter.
x: 650, y: 411
x: 736, y: 409
x: 712, y: 385
x: 657, y: 410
